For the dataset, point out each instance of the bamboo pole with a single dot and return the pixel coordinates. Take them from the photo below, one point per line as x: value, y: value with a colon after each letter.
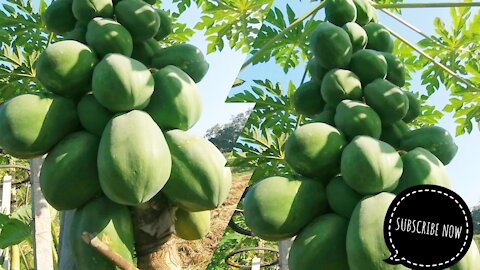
x: 427, y: 5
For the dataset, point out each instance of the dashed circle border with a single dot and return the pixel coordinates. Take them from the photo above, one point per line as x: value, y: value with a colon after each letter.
x: 419, y: 264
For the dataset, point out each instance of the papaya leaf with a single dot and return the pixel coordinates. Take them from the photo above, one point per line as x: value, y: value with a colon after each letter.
x: 17, y: 227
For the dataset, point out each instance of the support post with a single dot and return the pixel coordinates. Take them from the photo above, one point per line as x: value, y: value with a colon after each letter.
x: 42, y: 234
x: 284, y: 249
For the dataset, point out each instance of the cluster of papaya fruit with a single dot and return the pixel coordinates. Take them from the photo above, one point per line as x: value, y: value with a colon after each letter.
x: 114, y: 123
x: 356, y: 154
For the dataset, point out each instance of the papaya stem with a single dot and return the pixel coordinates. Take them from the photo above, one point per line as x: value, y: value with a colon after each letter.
x: 106, y: 251
x: 426, y: 5
x: 267, y: 45
x: 435, y: 62
x: 418, y: 31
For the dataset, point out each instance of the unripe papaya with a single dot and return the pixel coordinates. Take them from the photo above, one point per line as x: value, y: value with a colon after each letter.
x: 327, y: 116
x: 196, y: 184
x: 144, y: 51
x: 59, y: 17
x: 365, y: 12
x: 387, y: 99
x: 131, y: 80
x: 191, y: 225
x: 435, y: 139
x: 393, y: 133
x: 165, y: 25
x: 66, y: 68
x: 78, y: 33
x: 420, y: 167
x: 139, y: 18
x: 313, y: 150
x: 340, y: 84
x: 93, y: 116
x: 368, y: 65
x: 366, y: 247
x: 176, y: 101
x: 370, y: 166
x: 378, y: 38
x: 134, y: 160
x: 317, y: 72
x: 69, y: 175
x: 357, y: 35
x: 342, y: 199
x: 112, y: 224
x: 106, y: 36
x: 307, y: 99
x: 85, y: 10
x: 274, y: 208
x: 31, y: 124
x: 184, y: 56
x: 320, y: 244
x: 340, y: 12
x: 414, y: 107
x: 395, y: 70
x: 355, y: 118
x: 331, y: 46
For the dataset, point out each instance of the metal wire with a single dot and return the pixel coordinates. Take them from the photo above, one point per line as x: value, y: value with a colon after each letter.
x: 231, y: 254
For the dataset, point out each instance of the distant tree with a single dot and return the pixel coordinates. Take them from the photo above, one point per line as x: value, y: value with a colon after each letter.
x: 224, y: 136
x: 476, y: 219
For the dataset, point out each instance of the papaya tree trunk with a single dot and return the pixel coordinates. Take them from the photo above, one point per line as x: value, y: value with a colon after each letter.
x: 153, y: 228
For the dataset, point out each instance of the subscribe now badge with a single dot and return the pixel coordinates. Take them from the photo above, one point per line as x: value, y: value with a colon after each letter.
x: 427, y: 226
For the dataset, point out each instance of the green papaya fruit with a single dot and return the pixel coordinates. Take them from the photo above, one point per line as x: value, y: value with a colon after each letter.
x: 176, y: 102
x: 65, y: 68
x: 59, y: 17
x: 144, y: 51
x: 132, y: 81
x: 70, y: 167
x: 395, y: 69
x: 112, y: 224
x: 274, y: 208
x: 414, y: 107
x: 31, y: 124
x: 365, y: 12
x: 196, y: 184
x: 184, y: 56
x: 191, y: 225
x: 165, y: 25
x: 357, y: 35
x: 327, y: 116
x: 435, y: 139
x: 387, y: 99
x: 316, y: 71
x: 106, y: 36
x: 342, y: 199
x: 370, y: 166
x: 378, y: 38
x: 366, y: 247
x: 376, y: 63
x: 393, y: 133
x: 78, y: 33
x: 307, y: 99
x: 139, y: 18
x: 420, y: 167
x: 85, y: 10
x: 340, y: 84
x: 355, y: 118
x: 331, y: 46
x: 470, y: 261
x: 340, y: 12
x: 320, y: 244
x: 93, y: 116
x: 313, y: 150
x: 134, y: 160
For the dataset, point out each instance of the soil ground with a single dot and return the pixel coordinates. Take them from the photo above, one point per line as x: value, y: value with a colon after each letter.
x: 197, y: 254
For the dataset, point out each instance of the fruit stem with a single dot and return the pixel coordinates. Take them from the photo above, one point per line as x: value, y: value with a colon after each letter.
x: 418, y: 31
x: 267, y: 45
x: 106, y: 251
x: 431, y: 59
x: 426, y: 5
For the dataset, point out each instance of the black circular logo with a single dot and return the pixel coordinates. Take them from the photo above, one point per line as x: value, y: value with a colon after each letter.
x: 427, y: 226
